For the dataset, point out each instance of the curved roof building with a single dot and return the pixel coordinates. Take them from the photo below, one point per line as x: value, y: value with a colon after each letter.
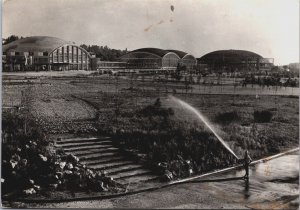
x: 181, y: 54
x: 35, y: 44
x: 44, y: 53
x: 155, y: 58
x: 187, y: 60
x: 151, y: 58
x: 155, y: 51
x: 229, y: 56
x: 231, y: 60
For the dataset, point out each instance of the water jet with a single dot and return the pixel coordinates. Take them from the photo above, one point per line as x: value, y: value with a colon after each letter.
x: 205, y: 121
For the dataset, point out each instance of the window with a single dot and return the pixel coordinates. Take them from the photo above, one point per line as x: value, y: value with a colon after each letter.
x: 83, y: 57
x: 45, y: 53
x: 55, y: 56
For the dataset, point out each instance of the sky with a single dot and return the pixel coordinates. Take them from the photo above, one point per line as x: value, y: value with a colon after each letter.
x: 267, y: 27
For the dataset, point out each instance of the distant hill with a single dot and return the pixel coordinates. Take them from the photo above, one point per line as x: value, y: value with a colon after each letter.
x: 294, y: 66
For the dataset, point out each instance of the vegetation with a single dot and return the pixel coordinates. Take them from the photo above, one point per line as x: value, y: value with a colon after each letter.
x: 176, y: 148
x: 156, y: 110
x: 31, y: 164
x: 126, y: 110
x: 104, y: 53
x: 227, y: 117
x: 263, y: 116
x: 11, y: 39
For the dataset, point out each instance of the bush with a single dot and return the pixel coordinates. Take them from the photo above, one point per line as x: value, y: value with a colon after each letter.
x: 181, y: 147
x: 30, y: 163
x: 156, y: 110
x: 227, y: 117
x: 263, y: 116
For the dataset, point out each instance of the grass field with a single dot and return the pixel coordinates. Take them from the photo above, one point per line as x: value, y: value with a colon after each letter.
x: 80, y: 103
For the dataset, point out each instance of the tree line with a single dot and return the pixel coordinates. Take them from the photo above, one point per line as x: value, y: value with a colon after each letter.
x: 104, y: 53
x: 10, y: 39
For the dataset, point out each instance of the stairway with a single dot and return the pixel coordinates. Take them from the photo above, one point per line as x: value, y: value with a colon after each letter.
x: 99, y: 153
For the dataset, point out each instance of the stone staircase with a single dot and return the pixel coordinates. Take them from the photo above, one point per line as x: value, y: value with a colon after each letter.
x: 99, y: 153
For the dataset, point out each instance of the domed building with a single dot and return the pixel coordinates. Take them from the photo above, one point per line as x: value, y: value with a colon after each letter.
x: 151, y: 59
x: 187, y: 60
x: 44, y: 53
x: 235, y: 60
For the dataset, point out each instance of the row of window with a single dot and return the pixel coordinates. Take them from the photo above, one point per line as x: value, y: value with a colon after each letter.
x: 68, y: 54
x: 111, y: 64
x: 12, y: 53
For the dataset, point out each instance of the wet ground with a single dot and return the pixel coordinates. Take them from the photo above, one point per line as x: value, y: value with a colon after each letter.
x: 273, y: 185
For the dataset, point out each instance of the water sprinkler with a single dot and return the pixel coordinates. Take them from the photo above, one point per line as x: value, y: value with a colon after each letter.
x: 247, y: 160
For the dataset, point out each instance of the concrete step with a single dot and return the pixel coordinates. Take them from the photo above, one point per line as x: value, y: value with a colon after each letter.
x: 99, y: 153
x: 124, y: 168
x: 95, y: 151
x: 72, y: 145
x: 103, y: 160
x: 131, y: 173
x: 95, y: 156
x: 106, y: 166
x: 79, y: 140
x: 84, y: 148
x: 139, y: 178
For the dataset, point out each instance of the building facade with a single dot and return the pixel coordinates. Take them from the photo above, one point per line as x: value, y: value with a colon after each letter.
x: 236, y: 61
x: 107, y: 66
x: 188, y: 61
x: 154, y: 59
x: 44, y: 53
x: 150, y: 59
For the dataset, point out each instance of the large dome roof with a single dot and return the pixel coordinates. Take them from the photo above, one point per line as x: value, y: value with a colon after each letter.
x: 156, y: 51
x: 35, y: 44
x: 229, y: 56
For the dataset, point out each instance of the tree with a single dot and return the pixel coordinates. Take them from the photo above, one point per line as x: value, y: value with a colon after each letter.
x: 178, y: 74
x: 11, y: 39
x: 104, y: 53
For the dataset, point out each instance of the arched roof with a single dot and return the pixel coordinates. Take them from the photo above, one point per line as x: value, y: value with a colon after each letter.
x: 84, y: 50
x: 155, y: 51
x: 35, y: 44
x: 228, y: 55
x: 181, y: 54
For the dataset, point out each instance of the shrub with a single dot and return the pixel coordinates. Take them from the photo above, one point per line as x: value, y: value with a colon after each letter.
x: 30, y: 163
x: 263, y: 116
x: 183, y: 148
x: 227, y: 117
x: 156, y: 110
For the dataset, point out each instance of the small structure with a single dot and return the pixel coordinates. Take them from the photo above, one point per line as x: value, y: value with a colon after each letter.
x: 107, y: 66
x: 247, y: 161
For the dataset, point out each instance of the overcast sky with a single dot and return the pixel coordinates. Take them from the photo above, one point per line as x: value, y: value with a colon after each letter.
x: 267, y: 27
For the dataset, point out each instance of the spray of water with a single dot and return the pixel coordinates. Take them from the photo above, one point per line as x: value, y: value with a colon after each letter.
x: 205, y: 121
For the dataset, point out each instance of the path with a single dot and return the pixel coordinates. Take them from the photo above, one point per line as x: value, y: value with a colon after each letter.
x: 273, y: 184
